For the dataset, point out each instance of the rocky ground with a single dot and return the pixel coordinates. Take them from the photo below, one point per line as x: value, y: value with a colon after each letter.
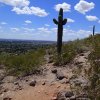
x: 67, y: 82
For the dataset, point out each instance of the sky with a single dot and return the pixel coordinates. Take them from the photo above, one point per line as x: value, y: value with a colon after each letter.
x: 33, y: 19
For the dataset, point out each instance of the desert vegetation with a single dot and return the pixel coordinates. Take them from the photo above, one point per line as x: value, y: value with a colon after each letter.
x: 22, y: 58
x: 20, y: 63
x: 94, y: 71
x: 23, y: 64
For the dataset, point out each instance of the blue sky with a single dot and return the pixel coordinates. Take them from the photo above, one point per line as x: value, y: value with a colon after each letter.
x: 32, y: 19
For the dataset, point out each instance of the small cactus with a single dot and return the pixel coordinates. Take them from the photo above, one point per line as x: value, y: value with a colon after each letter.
x: 60, y: 24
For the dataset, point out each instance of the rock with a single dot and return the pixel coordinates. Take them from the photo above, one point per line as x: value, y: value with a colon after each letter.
x: 82, y: 97
x: 64, y: 81
x: 1, y: 77
x: 43, y: 83
x: 60, y: 75
x: 7, y: 98
x: 54, y: 98
x: 1, y: 82
x: 16, y: 83
x: 46, y: 92
x: 9, y: 79
x: 33, y: 83
x: 73, y: 98
x: 78, y: 63
x: 69, y: 94
x: 86, y: 57
x: 58, y: 86
x: 20, y: 88
x: 50, y: 61
x: 80, y: 81
x: 6, y: 90
x: 38, y: 91
x: 82, y: 54
x: 61, y: 95
x: 26, y: 80
x: 54, y: 70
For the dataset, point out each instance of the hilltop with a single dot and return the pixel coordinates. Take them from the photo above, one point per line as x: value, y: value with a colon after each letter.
x: 39, y: 75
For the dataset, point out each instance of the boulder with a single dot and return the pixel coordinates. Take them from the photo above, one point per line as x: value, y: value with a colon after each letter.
x: 64, y: 81
x: 73, y: 98
x: 43, y: 83
x: 82, y: 54
x: 65, y: 95
x: 7, y: 98
x: 16, y: 83
x: 54, y: 70
x: 33, y: 83
x: 69, y: 94
x: 60, y: 75
x: 61, y: 95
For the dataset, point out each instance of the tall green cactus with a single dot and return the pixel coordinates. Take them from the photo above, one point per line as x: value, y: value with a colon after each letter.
x: 93, y: 30
x: 60, y: 24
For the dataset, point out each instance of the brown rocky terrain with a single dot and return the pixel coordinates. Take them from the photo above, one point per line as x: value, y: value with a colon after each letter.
x: 55, y: 83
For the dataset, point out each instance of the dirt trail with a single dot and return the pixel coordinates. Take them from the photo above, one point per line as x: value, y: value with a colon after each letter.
x: 47, y: 85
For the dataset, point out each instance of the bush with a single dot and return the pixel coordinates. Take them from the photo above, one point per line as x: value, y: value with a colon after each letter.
x: 23, y: 64
x: 69, y: 51
x: 94, y: 71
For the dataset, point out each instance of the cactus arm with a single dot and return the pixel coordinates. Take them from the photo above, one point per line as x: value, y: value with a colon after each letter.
x: 61, y: 12
x: 55, y: 21
x: 64, y: 21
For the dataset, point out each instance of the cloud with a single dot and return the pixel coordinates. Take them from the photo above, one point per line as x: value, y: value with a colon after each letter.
x: 3, y: 23
x: 28, y: 29
x: 69, y: 20
x: 15, y: 29
x: 84, y: 6
x: 72, y: 34
x: 54, y: 30
x: 83, y: 33
x: 15, y: 3
x: 28, y: 22
x: 91, y: 18
x: 30, y: 11
x: 66, y: 7
x: 69, y: 34
x: 22, y: 7
x: 43, y: 30
x: 43, y: 33
x: 47, y: 25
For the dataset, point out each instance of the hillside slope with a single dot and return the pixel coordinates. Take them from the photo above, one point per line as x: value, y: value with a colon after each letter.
x: 68, y: 80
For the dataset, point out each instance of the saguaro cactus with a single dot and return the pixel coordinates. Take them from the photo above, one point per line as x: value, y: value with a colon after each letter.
x: 93, y: 30
x: 60, y: 24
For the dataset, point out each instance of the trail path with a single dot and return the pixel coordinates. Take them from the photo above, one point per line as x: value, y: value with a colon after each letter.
x: 47, y: 85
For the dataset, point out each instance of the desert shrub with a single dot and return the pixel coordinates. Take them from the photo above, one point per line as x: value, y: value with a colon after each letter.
x: 23, y: 64
x: 3, y: 57
x: 69, y: 51
x: 94, y: 71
